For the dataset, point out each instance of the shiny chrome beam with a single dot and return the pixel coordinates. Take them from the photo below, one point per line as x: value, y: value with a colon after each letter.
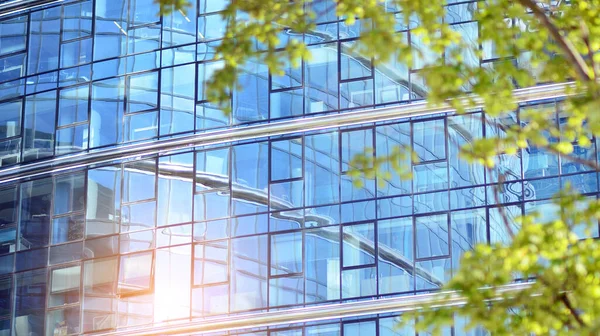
x: 308, y: 123
x: 314, y: 313
x: 14, y: 6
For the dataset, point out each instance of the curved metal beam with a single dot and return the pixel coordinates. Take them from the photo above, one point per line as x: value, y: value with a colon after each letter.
x: 308, y: 123
x: 314, y: 313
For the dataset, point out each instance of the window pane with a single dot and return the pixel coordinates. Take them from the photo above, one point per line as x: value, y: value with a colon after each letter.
x: 8, y: 241
x: 212, y: 169
x: 138, y: 216
x: 462, y: 130
x: 103, y: 201
x: 6, y: 286
x: 108, y: 98
x: 69, y: 193
x: 40, y: 114
x: 142, y: 92
x: 34, y: 223
x: 251, y: 100
x: 139, y: 180
x: 73, y: 105
x: 286, y: 291
x: 68, y: 228
x: 71, y: 139
x: 177, y: 100
x: 286, y: 159
x: 77, y: 20
x: 322, y: 254
x: 13, y: 34
x: 30, y: 300
x: 172, y: 283
x: 395, y: 239
x: 75, y: 53
x: 321, y: 78
x: 135, y: 273
x: 12, y: 67
x: 44, y: 39
x: 468, y: 230
x: 359, y: 244
x: 249, y: 273
x: 430, y: 140
x: 63, y: 321
x: 110, y: 28
x: 64, y: 286
x: 322, y: 168
x: 179, y: 27
x: 175, y: 188
x: 140, y: 126
x: 430, y: 177
x: 356, y: 94
x: 359, y: 282
x: 10, y: 119
x: 360, y: 328
x: 432, y: 236
x: 211, y: 263
x: 100, y: 276
x: 8, y: 205
x: 390, y: 139
x: 286, y: 253
x: 287, y: 103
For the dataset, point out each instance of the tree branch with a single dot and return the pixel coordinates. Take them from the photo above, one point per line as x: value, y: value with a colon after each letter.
x: 567, y: 302
x: 581, y: 68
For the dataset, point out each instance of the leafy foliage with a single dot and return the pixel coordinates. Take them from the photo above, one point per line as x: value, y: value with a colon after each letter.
x: 559, y: 41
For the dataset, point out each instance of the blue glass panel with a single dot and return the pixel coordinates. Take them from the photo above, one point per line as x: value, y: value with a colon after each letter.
x: 138, y: 216
x: 101, y: 247
x: 209, y: 116
x: 322, y: 216
x: 140, y: 126
x: 390, y: 138
x: 108, y: 99
x: 390, y: 327
x: 211, y: 205
x: 247, y: 225
x: 142, y: 93
x: 286, y: 220
x: 136, y: 241
x: 432, y: 236
x: 251, y: 99
x: 286, y: 291
x: 44, y: 36
x: 360, y: 328
x: 66, y: 253
x: 65, y: 320
x: 5, y: 297
x: 322, y: 168
x: 68, y: 228
x: 430, y: 177
x: 286, y: 159
x: 10, y: 119
x: 110, y: 28
x: 249, y: 273
x: 13, y: 35
x: 433, y: 202
x: 7, y: 263
x: 73, y: 105
x: 212, y: 169
x: 139, y: 180
x: 40, y: 114
x: 8, y: 205
x: 429, y: 139
x: 211, y: 27
x: 69, y: 193
x: 173, y: 235
x: 175, y: 188
x: 391, y: 80
x: 358, y: 211
x: 178, y: 55
x: 322, y: 271
x: 321, y: 79
x: 80, y: 74
x: 177, y: 99
x: 8, y: 240
x: 286, y: 253
x: 469, y: 35
x: 210, y: 300
x: 467, y: 198
x: 395, y: 238
x: 12, y: 89
x: 30, y: 299
x: 462, y: 130
x: 75, y: 53
x: 179, y: 27
x: 468, y: 228
x: 393, y: 207
x: 582, y: 183
x: 42, y: 82
x: 103, y: 201
x: 77, y: 20
x: 211, y: 263
x: 359, y: 282
x: 205, y: 72
x: 359, y: 244
x: 30, y: 259
x: 508, y: 192
x: 143, y: 39
x: 287, y: 103
x: 34, y: 222
x: 12, y: 67
x: 432, y: 274
x: 71, y: 139
x: 211, y: 6
x: 569, y: 165
x: 143, y: 12
x: 352, y: 64
x: 325, y: 10
x: 10, y: 152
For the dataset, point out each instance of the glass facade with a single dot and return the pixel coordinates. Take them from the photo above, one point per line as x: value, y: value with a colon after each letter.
x: 264, y: 224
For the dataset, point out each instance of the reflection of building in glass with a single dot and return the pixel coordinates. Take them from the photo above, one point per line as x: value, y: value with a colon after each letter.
x: 237, y: 227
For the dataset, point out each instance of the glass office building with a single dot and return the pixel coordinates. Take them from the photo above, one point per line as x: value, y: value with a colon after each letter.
x: 95, y: 239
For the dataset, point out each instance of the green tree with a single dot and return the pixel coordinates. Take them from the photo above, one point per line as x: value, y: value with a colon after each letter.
x: 559, y: 42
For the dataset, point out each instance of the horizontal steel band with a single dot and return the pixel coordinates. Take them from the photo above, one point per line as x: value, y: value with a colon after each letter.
x: 10, y: 7
x: 314, y: 313
x: 291, y: 126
